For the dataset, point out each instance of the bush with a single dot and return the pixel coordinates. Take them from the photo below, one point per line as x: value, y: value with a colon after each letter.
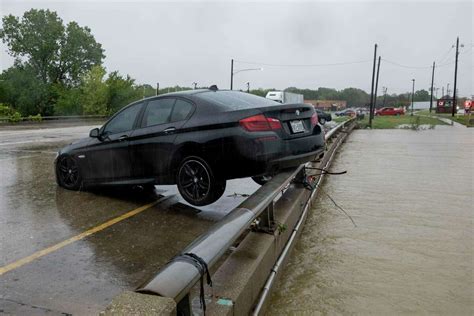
x: 14, y: 118
x: 12, y: 115
x: 6, y: 111
x: 35, y: 118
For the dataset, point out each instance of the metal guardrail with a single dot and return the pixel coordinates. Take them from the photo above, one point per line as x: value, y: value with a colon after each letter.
x: 53, y: 118
x: 176, y: 278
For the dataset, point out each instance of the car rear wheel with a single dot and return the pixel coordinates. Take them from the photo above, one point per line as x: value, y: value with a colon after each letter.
x: 68, y: 174
x: 262, y: 179
x: 197, y: 183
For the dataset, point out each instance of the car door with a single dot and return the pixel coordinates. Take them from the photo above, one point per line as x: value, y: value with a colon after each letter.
x: 108, y: 156
x: 152, y: 144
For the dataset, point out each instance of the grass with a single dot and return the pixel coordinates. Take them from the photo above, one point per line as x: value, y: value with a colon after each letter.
x: 340, y: 119
x: 460, y: 118
x: 389, y: 122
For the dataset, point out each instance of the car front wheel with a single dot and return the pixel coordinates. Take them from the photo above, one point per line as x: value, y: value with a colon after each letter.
x: 68, y: 174
x: 197, y: 183
x: 322, y: 121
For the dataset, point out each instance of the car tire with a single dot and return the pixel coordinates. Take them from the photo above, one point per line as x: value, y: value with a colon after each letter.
x: 322, y: 121
x: 262, y: 179
x: 68, y: 173
x: 197, y: 183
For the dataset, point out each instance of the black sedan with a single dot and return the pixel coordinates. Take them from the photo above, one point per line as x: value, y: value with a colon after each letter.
x: 323, y: 117
x: 196, y: 139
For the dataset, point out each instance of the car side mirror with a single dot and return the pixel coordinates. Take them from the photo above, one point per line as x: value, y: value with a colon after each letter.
x: 94, y: 133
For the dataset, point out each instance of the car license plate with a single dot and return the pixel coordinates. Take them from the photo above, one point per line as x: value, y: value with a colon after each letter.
x: 297, y: 126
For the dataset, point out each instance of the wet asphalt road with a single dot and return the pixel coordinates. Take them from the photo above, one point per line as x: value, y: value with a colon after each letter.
x: 43, y: 271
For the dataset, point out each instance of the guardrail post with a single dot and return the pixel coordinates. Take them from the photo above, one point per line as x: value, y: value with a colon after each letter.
x: 267, y: 219
x: 183, y: 308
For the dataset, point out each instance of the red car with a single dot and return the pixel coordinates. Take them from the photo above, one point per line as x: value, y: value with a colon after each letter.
x: 390, y: 111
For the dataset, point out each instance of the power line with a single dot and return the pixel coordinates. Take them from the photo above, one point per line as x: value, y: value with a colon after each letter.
x: 443, y: 58
x: 415, y: 67
x: 405, y: 66
x: 302, y: 65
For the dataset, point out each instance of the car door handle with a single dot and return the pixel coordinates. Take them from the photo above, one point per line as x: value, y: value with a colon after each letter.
x: 123, y: 137
x: 169, y: 130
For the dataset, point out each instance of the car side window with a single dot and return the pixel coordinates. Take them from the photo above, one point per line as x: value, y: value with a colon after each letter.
x: 123, y: 121
x: 158, y: 112
x: 181, y: 110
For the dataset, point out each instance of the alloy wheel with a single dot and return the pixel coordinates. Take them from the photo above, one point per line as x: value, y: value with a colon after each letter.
x: 194, y: 179
x: 68, y: 171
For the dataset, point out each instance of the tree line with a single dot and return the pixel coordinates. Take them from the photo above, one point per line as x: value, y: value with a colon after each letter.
x: 58, y: 70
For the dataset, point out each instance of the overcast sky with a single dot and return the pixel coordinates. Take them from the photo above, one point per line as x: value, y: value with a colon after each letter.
x: 177, y: 43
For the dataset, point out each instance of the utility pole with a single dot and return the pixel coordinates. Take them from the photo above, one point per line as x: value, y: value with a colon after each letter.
x: 455, y: 77
x: 157, y: 88
x: 447, y: 89
x: 231, y: 73
x: 376, y: 88
x: 412, y: 96
x: 248, y: 87
x: 195, y: 85
x: 442, y: 92
x: 372, y: 88
x: 432, y: 82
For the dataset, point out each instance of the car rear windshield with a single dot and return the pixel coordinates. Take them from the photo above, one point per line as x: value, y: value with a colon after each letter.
x: 233, y: 100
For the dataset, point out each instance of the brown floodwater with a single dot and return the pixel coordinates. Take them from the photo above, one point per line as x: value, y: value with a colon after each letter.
x: 411, y: 196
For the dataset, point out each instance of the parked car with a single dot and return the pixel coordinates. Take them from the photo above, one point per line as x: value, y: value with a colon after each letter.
x: 323, y: 117
x: 196, y: 139
x: 346, y: 112
x: 390, y: 111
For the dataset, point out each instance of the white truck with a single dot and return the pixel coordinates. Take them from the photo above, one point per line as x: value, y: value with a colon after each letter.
x: 285, y: 97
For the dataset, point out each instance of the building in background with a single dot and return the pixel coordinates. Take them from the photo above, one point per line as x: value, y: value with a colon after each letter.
x: 328, y: 105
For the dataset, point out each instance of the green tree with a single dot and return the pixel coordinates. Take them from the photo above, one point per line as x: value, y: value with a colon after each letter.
x: 354, y: 97
x: 121, y: 91
x: 421, y: 95
x: 24, y: 91
x: 69, y: 101
x: 94, y: 92
x: 56, y: 53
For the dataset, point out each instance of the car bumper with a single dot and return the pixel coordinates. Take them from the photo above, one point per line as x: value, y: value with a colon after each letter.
x: 267, y: 156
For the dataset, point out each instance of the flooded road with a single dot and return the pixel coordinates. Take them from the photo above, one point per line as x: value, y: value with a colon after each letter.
x: 411, y: 196
x: 65, y: 252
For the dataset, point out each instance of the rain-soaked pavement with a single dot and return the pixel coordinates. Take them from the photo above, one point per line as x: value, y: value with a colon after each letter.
x: 50, y: 264
x: 411, y: 196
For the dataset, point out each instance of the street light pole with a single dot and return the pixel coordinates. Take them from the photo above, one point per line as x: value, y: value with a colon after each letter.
x: 384, y: 95
x: 157, y: 88
x: 412, y: 95
x: 372, y: 88
x: 195, y: 85
x: 248, y: 87
x: 376, y: 88
x: 432, y: 82
x: 231, y: 73
x: 455, y: 77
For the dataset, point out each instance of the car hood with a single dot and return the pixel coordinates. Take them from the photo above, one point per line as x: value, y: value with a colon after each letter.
x: 77, y: 144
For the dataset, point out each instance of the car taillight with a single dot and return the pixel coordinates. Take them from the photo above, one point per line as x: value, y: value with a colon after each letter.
x: 314, y: 119
x: 260, y: 123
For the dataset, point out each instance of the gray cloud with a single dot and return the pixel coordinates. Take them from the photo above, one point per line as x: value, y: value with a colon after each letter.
x: 181, y: 42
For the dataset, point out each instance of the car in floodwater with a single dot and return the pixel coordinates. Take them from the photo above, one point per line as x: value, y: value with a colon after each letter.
x: 196, y: 139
